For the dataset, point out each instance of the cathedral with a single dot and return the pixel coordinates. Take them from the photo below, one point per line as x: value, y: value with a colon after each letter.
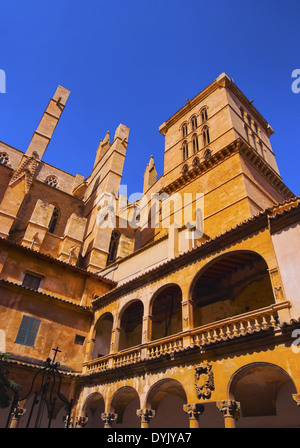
x: 178, y: 309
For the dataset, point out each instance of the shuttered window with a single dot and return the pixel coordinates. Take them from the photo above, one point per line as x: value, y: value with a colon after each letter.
x: 28, y: 331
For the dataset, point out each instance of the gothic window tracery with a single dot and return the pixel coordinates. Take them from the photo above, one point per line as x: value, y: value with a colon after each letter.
x: 4, y: 159
x: 52, y: 181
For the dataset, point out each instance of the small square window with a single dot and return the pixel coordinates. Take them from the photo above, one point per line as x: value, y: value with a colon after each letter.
x: 28, y: 331
x: 31, y: 281
x: 79, y: 340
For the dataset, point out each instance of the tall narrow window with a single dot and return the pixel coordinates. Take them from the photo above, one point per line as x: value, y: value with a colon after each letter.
x: 185, y: 151
x: 113, y: 248
x: 194, y: 122
x: 207, y: 154
x: 204, y: 115
x: 28, y: 331
x: 247, y: 132
x: 184, y: 130
x: 206, y: 136
x: 54, y: 220
x: 195, y: 144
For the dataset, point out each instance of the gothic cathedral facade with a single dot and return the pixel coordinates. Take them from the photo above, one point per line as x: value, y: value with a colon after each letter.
x: 178, y: 309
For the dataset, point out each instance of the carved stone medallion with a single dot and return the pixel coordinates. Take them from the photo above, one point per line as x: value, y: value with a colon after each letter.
x: 204, y: 380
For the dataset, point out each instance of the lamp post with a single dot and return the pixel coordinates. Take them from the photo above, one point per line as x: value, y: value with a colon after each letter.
x: 45, y: 395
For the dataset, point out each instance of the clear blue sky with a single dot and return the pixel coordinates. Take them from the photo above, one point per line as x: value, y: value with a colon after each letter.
x: 136, y: 62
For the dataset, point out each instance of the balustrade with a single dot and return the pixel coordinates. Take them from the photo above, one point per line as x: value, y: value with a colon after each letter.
x: 226, y: 329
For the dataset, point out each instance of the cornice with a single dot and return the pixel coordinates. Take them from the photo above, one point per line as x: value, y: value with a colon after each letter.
x: 78, y: 307
x: 46, y: 257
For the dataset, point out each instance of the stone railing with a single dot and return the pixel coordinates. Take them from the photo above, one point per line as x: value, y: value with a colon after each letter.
x: 226, y: 329
x: 251, y: 322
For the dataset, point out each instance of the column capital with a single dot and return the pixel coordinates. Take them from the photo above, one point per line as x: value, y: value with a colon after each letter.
x: 193, y: 410
x: 108, y: 418
x: 229, y: 408
x: 145, y: 414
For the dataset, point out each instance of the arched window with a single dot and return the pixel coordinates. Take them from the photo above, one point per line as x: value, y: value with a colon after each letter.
x: 184, y: 130
x: 52, y: 181
x: 195, y: 144
x: 206, y: 136
x: 185, y: 150
x: 196, y: 161
x: 204, y: 115
x: 185, y: 169
x: 113, y: 247
x: 194, y: 122
x: 4, y: 159
x: 54, y: 220
x: 207, y: 154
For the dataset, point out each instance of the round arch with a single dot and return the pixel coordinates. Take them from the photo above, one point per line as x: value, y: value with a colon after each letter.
x: 102, y: 335
x: 130, y: 322
x: 264, y: 391
x: 92, y: 408
x: 125, y: 402
x: 167, y: 397
x: 166, y: 311
x: 233, y: 283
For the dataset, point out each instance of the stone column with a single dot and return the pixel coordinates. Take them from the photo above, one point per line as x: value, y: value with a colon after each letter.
x: 194, y: 411
x: 230, y: 410
x: 145, y: 416
x: 109, y: 418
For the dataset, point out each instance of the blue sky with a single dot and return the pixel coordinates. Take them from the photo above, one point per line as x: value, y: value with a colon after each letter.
x: 136, y: 62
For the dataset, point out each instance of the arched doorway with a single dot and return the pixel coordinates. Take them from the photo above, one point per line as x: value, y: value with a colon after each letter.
x: 166, y: 398
x: 125, y: 403
x: 131, y: 325
x: 264, y: 392
x: 232, y: 284
x: 103, y: 335
x: 166, y: 312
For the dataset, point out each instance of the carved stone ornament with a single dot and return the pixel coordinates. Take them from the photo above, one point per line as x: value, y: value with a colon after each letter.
x: 204, y: 380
